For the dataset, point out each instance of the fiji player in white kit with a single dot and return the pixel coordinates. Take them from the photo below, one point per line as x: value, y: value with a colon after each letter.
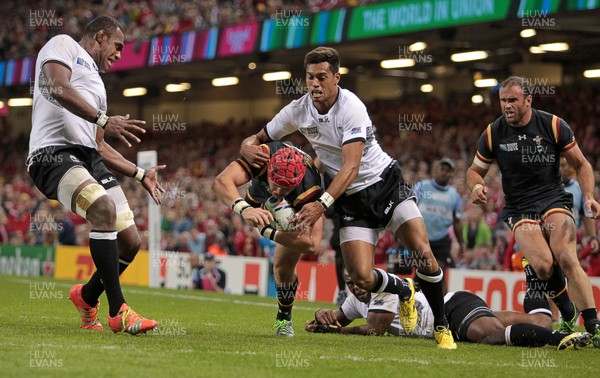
x: 469, y: 316
x: 368, y: 189
x: 68, y: 161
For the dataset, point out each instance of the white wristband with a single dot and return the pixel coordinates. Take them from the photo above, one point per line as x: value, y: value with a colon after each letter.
x: 326, y: 200
x: 475, y: 187
x: 239, y: 205
x: 269, y: 232
x: 139, y: 174
x: 102, y: 120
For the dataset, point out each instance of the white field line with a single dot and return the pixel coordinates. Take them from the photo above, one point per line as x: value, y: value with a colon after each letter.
x: 156, y: 293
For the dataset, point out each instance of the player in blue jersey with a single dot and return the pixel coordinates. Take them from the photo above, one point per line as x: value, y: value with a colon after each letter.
x: 441, y: 207
x: 527, y: 145
x: 579, y: 213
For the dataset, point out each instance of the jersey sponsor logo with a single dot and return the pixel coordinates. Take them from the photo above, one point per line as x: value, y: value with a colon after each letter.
x: 436, y: 210
x: 377, y: 302
x: 107, y: 180
x: 509, y: 147
x: 74, y: 159
x: 312, y: 130
x: 348, y: 218
x: 388, y: 208
x: 355, y: 130
x: 323, y: 119
x: 522, y: 137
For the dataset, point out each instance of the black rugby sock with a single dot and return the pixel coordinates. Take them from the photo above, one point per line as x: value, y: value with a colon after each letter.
x: 431, y: 285
x: 104, y: 251
x: 555, y: 288
x: 92, y: 290
x: 557, y: 285
x: 390, y: 283
x: 286, y: 292
x: 590, y: 320
x: 536, y: 302
x: 339, y: 271
x: 531, y: 335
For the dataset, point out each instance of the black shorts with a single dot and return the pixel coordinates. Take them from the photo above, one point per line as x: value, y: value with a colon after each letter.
x: 48, y: 165
x: 373, y: 207
x: 511, y: 216
x: 462, y: 310
x: 441, y: 250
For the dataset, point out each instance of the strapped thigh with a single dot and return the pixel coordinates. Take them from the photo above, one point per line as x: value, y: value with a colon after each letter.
x: 70, y: 181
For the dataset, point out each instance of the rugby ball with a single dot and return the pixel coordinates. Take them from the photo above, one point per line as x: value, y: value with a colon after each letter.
x: 282, y: 212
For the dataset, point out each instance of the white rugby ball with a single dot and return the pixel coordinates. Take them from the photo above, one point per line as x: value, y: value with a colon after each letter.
x: 282, y: 211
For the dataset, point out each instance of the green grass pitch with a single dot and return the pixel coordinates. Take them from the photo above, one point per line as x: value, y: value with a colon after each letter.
x: 212, y: 335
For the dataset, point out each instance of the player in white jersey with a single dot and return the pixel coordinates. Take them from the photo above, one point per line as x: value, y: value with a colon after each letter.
x: 68, y: 161
x: 367, y: 187
x: 470, y: 319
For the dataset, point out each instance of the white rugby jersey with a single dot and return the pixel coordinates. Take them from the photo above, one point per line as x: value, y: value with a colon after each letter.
x: 346, y: 121
x: 355, y: 309
x: 53, y: 125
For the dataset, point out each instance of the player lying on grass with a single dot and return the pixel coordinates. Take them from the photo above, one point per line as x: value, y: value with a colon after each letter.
x: 469, y: 317
x: 291, y: 175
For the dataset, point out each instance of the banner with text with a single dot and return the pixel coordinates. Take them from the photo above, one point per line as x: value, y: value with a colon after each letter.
x: 397, y: 17
x: 75, y: 263
x: 500, y: 290
x: 24, y: 260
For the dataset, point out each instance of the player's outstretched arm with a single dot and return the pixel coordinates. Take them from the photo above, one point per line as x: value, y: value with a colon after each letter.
x: 225, y: 188
x: 115, y: 161
x: 327, y: 321
x: 58, y: 79
x: 307, y: 242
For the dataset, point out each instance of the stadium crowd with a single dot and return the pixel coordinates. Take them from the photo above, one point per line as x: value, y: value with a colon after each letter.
x: 193, y: 220
x: 29, y: 24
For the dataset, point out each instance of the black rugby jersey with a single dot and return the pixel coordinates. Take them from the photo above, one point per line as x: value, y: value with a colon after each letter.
x: 258, y: 191
x: 528, y: 157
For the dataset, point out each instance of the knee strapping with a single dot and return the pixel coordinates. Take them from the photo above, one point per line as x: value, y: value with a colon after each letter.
x: 124, y: 220
x: 87, y: 196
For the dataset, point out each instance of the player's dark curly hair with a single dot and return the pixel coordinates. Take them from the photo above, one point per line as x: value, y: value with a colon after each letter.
x: 107, y: 23
x: 323, y: 54
x: 519, y: 82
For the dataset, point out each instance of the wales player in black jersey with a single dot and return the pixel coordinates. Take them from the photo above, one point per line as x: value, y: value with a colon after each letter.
x: 290, y: 174
x: 527, y: 145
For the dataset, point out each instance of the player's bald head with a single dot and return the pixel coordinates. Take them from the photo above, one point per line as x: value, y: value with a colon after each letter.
x: 517, y: 81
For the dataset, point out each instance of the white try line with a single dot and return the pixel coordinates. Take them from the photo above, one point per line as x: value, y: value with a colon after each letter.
x: 179, y: 296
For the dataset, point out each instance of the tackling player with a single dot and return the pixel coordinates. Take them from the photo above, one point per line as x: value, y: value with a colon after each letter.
x: 368, y: 189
